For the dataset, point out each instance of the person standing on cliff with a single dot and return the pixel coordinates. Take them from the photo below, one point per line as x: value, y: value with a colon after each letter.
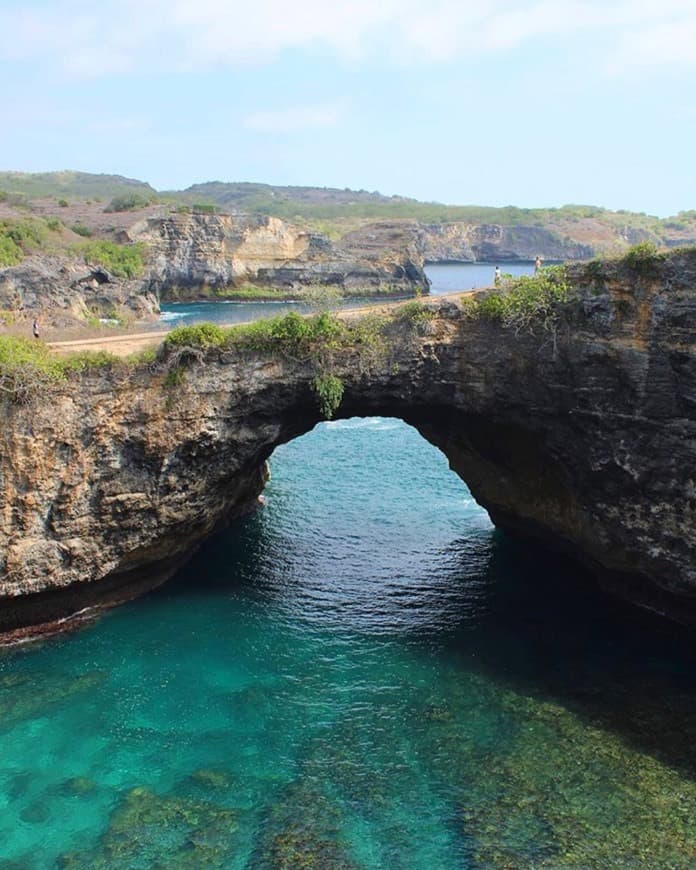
x: 537, y: 264
x: 496, y: 276
x: 35, y: 328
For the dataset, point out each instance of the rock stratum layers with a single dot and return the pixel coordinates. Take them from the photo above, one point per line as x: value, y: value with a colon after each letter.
x: 467, y: 243
x: 200, y: 256
x: 583, y: 437
x: 188, y: 252
x: 65, y: 291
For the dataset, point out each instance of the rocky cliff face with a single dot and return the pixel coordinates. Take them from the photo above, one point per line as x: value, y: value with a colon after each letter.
x: 583, y: 437
x: 188, y: 252
x: 460, y: 242
x: 66, y: 292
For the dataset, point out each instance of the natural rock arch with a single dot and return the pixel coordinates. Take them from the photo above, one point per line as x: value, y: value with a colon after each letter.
x: 586, y: 442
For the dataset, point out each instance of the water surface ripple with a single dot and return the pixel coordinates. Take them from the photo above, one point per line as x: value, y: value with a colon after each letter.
x: 364, y: 674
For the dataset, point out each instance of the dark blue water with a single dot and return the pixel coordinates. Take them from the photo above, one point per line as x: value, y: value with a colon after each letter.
x: 444, y: 278
x: 362, y: 674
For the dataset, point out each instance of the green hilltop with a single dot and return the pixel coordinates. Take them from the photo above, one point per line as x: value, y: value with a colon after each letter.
x: 335, y: 210
x: 83, y: 185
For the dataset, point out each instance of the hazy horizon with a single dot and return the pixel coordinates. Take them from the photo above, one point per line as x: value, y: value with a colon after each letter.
x: 398, y: 196
x: 496, y: 102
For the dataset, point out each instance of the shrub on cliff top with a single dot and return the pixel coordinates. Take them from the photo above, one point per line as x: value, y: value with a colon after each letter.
x: 290, y: 334
x: 199, y: 335
x: 128, y: 202
x: 644, y: 259
x: 124, y: 261
x: 28, y: 368
x: 527, y: 300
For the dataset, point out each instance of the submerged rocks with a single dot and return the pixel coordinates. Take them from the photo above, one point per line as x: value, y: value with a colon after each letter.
x: 148, y: 830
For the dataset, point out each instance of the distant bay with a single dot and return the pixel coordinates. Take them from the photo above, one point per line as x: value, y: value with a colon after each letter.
x: 444, y: 277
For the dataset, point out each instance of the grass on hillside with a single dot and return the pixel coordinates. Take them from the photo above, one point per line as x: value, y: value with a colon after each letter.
x: 19, y: 237
x: 123, y: 261
x: 28, y: 368
x: 83, y: 185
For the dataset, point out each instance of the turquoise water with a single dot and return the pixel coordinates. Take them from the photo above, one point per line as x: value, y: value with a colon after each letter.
x: 362, y: 674
x: 444, y: 278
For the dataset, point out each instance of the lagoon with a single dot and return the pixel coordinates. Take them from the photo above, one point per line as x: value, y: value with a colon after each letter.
x: 363, y: 674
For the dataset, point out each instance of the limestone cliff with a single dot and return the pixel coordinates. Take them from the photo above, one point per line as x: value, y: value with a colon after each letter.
x: 462, y: 242
x: 190, y: 252
x: 583, y: 436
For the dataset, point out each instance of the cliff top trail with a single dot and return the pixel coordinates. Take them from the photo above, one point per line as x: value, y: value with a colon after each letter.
x: 135, y: 342
x: 75, y: 247
x: 566, y: 402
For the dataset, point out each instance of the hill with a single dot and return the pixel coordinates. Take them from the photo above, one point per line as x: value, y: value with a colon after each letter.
x: 83, y: 185
x: 584, y: 229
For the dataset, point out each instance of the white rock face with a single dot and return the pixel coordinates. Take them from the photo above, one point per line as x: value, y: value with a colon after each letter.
x: 223, y: 251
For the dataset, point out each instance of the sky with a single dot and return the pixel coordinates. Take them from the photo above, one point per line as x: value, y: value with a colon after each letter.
x: 488, y: 102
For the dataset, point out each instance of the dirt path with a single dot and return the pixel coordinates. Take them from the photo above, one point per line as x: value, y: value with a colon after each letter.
x: 119, y: 345
x: 125, y: 345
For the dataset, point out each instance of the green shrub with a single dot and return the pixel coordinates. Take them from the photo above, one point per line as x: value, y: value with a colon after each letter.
x: 527, y: 300
x: 204, y: 208
x: 415, y: 312
x: 10, y: 253
x: 82, y: 230
x: 28, y: 368
x: 329, y: 390
x: 198, y: 335
x: 644, y: 259
x: 63, y: 203
x: 54, y: 225
x: 595, y: 271
x: 87, y: 359
x: 25, y: 233
x: 124, y: 261
x: 128, y: 202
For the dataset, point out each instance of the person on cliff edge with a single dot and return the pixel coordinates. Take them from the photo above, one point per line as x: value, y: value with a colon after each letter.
x: 35, y: 328
x: 496, y: 276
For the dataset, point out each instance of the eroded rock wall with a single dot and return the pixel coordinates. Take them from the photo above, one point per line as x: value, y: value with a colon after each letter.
x: 460, y: 242
x: 583, y: 436
x: 194, y: 251
x: 66, y: 292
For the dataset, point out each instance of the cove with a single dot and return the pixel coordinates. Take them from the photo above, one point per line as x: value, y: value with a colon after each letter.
x: 362, y: 674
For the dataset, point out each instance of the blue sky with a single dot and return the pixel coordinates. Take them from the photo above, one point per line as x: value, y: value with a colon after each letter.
x: 494, y: 102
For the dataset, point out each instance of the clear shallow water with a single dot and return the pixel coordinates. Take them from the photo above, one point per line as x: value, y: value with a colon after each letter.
x: 444, y: 277
x: 363, y: 674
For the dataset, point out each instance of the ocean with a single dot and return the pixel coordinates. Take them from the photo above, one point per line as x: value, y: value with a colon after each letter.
x: 362, y: 674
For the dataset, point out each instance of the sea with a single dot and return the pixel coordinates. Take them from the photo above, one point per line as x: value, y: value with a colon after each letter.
x: 444, y: 278
x: 364, y: 673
